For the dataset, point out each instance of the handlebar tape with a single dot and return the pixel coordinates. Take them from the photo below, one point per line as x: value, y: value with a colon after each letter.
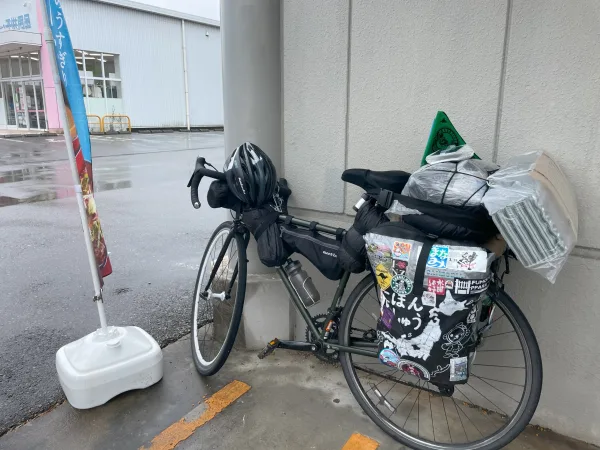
x: 194, y: 183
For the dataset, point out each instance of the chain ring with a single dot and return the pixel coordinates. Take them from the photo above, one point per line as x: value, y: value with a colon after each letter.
x: 326, y: 355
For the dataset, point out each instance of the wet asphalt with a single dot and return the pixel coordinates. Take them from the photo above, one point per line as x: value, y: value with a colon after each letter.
x: 154, y: 236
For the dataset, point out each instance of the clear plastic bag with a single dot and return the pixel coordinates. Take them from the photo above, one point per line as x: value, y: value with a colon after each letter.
x: 399, y: 210
x: 455, y: 183
x: 452, y: 153
x: 534, y: 206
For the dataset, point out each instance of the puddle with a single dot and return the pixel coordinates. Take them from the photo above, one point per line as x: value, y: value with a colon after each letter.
x: 44, y: 182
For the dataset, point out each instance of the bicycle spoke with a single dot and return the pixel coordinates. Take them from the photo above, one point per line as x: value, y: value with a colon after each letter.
x: 502, y: 392
x: 496, y: 406
x: 468, y: 418
x: 431, y: 411
x: 374, y: 386
x: 474, y: 404
x: 363, y: 323
x: 461, y: 422
x: 368, y: 313
x: 499, y: 381
x: 499, y: 334
x: 496, y: 320
x: 413, y: 405
x: 447, y: 423
x: 505, y: 367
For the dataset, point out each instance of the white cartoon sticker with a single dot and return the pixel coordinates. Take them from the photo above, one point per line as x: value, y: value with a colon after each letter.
x: 467, y: 260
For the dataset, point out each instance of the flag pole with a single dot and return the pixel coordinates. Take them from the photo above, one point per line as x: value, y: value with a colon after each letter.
x: 76, y: 183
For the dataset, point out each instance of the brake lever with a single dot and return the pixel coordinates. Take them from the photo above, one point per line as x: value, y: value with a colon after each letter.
x: 200, y: 162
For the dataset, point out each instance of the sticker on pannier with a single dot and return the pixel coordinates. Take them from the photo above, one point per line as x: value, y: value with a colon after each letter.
x: 427, y: 322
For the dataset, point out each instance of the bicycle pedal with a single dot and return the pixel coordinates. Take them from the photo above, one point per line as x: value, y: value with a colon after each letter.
x: 270, y: 348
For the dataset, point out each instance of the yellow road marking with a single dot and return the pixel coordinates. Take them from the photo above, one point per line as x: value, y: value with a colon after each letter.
x: 183, y: 429
x: 359, y: 442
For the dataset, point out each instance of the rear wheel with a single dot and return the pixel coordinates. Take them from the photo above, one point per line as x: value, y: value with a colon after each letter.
x: 217, y: 307
x: 484, y: 414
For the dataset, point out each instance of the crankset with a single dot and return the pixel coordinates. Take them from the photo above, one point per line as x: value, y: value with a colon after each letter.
x: 330, y: 356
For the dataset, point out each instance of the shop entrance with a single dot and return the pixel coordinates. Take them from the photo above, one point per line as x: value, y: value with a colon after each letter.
x: 21, y: 93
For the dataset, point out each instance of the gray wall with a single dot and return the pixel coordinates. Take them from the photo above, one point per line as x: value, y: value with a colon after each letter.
x: 362, y: 82
x: 151, y: 64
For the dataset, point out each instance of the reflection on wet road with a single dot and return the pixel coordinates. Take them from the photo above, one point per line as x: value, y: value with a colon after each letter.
x: 37, y: 169
x: 154, y: 235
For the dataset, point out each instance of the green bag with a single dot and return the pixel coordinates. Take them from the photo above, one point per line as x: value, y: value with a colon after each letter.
x: 442, y: 135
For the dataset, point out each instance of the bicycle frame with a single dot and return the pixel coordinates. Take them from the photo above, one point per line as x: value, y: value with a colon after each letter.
x: 360, y: 347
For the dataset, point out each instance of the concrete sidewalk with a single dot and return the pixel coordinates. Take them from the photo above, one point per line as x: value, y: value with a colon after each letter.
x: 288, y: 401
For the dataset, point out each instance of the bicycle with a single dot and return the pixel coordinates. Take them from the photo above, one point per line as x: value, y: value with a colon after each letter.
x: 451, y: 418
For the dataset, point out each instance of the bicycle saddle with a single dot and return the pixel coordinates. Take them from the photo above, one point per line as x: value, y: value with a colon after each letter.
x: 392, y: 180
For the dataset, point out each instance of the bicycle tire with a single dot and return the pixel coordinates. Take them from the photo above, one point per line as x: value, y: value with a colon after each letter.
x: 207, y: 368
x: 508, y: 434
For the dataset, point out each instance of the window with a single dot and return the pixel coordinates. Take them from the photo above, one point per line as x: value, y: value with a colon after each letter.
x: 4, y: 68
x: 25, y: 65
x: 15, y: 66
x: 34, y: 59
x: 99, y: 74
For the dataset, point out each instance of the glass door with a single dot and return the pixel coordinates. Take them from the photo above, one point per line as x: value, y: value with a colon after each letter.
x: 9, y: 103
x: 20, y: 105
x: 39, y: 98
x: 32, y: 107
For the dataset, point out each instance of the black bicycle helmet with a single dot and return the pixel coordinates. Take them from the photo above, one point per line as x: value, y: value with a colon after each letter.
x: 250, y: 175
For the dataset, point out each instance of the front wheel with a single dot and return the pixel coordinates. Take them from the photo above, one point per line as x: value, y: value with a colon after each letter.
x: 486, y: 413
x: 218, y: 303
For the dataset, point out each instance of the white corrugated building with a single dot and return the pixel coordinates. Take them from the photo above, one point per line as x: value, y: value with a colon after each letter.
x: 132, y: 60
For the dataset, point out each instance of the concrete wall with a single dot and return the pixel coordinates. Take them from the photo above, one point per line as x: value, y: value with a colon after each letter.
x: 363, y: 81
x: 151, y: 64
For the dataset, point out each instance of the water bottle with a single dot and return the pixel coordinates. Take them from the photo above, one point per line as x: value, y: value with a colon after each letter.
x: 302, y: 283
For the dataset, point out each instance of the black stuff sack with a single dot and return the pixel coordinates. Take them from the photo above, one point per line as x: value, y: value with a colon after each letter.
x: 262, y: 223
x: 430, y: 295
x: 353, y: 254
x: 219, y: 195
x: 321, y: 251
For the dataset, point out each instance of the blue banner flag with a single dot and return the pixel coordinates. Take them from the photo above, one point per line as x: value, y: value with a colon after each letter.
x: 70, y: 84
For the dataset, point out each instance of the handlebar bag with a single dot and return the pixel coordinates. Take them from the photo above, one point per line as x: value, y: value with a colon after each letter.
x: 262, y: 223
x: 353, y: 254
x: 431, y: 293
x: 321, y: 251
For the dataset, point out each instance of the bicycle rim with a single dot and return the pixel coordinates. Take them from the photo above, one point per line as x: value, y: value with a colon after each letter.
x: 216, y: 314
x: 485, y: 413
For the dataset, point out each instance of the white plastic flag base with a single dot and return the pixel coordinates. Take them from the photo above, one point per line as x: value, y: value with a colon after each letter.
x: 102, y: 365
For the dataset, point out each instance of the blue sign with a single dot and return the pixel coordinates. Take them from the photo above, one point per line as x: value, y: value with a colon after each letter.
x: 69, y: 75
x: 22, y: 22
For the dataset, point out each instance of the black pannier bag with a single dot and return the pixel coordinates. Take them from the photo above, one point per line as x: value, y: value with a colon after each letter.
x: 219, y: 195
x: 321, y: 251
x: 430, y: 294
x: 353, y: 255
x: 262, y: 223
